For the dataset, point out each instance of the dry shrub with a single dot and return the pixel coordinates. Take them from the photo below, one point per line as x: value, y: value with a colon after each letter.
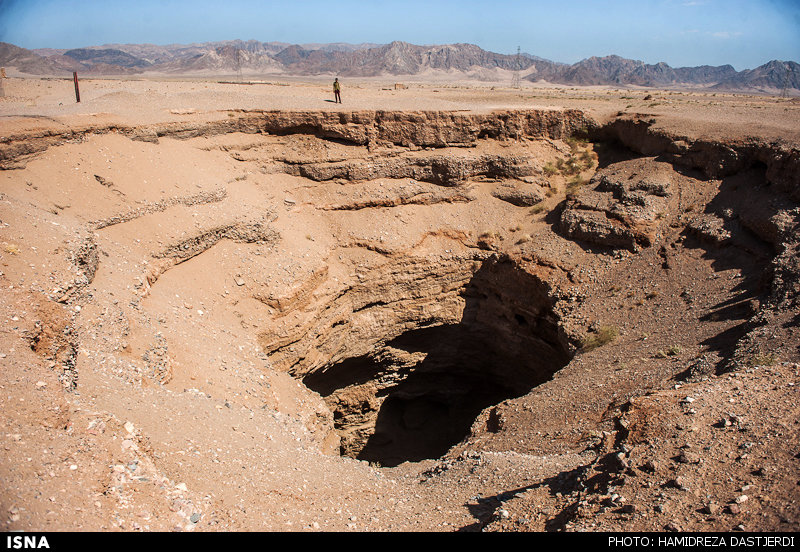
x: 604, y: 336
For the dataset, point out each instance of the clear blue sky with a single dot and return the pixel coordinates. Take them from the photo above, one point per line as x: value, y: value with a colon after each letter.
x: 743, y: 33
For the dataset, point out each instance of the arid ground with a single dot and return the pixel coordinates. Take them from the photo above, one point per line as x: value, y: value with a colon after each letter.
x: 433, y: 307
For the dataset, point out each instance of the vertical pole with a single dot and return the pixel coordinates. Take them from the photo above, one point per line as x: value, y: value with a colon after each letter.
x: 77, y: 92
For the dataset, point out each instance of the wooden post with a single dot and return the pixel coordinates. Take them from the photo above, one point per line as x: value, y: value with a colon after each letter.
x: 77, y: 92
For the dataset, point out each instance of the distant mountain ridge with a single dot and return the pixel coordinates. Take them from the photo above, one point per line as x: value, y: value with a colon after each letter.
x: 396, y: 59
x: 617, y: 70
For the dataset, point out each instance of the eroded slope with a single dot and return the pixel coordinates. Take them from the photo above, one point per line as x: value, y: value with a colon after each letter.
x: 215, y: 313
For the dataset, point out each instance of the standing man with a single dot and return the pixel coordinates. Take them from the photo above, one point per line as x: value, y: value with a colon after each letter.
x: 337, y: 91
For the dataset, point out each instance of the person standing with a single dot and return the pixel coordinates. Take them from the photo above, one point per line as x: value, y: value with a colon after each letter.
x: 337, y: 91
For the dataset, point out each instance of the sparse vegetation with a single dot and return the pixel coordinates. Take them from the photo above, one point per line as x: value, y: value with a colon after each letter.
x: 576, y: 143
x: 581, y: 158
x: 588, y: 159
x: 604, y: 336
x: 569, y: 166
x: 761, y: 359
x: 673, y: 350
x: 574, y: 185
x: 489, y: 239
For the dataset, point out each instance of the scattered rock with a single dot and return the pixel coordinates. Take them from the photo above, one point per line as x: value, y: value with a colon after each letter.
x: 724, y: 422
x: 519, y: 194
x: 103, y: 181
x: 689, y: 458
x: 651, y: 466
x: 712, y: 508
x: 677, y: 483
x: 621, y: 207
x: 733, y: 509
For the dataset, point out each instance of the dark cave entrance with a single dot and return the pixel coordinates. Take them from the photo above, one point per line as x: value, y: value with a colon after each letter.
x: 419, y: 393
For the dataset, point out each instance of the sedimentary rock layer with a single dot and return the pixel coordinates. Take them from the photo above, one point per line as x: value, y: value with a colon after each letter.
x: 422, y: 128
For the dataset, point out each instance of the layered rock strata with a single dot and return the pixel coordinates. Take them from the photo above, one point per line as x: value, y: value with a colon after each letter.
x: 409, y: 355
x: 418, y: 129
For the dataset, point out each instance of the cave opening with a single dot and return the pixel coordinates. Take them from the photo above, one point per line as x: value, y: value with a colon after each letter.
x: 417, y: 394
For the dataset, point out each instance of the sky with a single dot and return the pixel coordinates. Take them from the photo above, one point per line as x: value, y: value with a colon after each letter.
x: 682, y: 33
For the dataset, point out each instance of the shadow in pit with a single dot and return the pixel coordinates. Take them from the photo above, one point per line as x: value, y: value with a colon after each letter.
x: 743, y: 201
x: 484, y: 507
x: 435, y: 405
x: 563, y: 484
x: 610, y: 152
x: 417, y: 395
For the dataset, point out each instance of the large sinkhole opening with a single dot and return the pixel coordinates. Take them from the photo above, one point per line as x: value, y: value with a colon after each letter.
x: 417, y: 394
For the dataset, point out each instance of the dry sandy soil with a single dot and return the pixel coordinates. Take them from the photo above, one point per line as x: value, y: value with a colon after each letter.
x: 446, y: 307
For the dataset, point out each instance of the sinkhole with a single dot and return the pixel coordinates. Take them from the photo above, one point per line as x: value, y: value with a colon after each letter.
x: 417, y: 393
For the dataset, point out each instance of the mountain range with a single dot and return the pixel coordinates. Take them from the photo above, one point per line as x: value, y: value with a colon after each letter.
x: 395, y: 59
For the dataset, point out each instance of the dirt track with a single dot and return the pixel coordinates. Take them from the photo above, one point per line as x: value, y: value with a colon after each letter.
x: 505, y: 314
